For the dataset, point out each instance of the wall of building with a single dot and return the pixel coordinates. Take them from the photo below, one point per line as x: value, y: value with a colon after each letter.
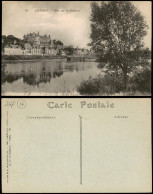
x: 33, y: 51
x: 13, y: 51
x: 51, y: 52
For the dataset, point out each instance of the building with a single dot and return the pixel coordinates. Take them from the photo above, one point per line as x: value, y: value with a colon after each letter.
x: 80, y: 52
x: 36, y: 44
x: 33, y: 44
x: 38, y: 41
x: 13, y: 50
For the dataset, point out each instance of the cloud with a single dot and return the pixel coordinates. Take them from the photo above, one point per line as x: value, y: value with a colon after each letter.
x: 72, y: 28
x: 69, y: 27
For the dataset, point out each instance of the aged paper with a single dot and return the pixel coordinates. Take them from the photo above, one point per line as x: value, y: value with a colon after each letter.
x: 76, y: 48
x: 76, y: 145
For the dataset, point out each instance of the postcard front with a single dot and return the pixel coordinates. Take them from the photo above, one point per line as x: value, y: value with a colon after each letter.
x: 76, y: 48
x: 76, y: 145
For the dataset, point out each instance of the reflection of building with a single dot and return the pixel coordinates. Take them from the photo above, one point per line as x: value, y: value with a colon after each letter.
x: 32, y: 74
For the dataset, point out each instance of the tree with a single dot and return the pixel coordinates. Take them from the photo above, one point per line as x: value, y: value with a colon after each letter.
x: 117, y: 31
x: 59, y: 43
x: 69, y: 50
x: 54, y: 41
x: 10, y: 39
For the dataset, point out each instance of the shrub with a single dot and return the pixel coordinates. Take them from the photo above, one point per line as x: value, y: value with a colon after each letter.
x: 112, y: 83
x: 90, y: 86
x: 109, y: 83
x: 140, y: 81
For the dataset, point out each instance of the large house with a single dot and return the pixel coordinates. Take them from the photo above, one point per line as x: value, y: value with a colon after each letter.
x: 13, y: 50
x: 36, y: 44
x: 33, y: 44
x: 37, y: 41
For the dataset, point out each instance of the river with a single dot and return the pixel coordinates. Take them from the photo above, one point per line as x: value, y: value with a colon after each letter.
x: 51, y: 77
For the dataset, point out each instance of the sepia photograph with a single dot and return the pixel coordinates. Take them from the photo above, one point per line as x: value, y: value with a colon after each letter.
x: 76, y: 48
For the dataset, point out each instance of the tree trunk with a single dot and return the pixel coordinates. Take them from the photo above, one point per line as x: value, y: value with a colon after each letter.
x: 125, y: 79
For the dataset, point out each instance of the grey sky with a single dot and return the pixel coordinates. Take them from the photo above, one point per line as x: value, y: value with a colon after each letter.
x: 72, y: 28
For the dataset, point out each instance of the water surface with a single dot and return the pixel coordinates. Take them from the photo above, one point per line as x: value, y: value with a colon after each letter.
x: 54, y: 76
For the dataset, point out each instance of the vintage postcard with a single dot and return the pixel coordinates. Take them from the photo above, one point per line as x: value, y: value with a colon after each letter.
x: 76, y: 145
x: 73, y: 48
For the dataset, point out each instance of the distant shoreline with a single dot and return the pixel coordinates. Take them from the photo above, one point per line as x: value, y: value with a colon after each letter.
x: 25, y: 60
x: 28, y: 60
x: 31, y: 58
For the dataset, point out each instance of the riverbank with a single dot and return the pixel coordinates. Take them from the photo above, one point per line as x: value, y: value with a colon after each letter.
x: 75, y: 93
x: 30, y: 58
x: 24, y: 60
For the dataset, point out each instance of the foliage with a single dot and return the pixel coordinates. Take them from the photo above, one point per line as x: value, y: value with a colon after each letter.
x: 57, y: 42
x: 90, y: 86
x: 141, y: 81
x: 10, y: 39
x: 69, y: 50
x: 117, y: 30
x: 111, y: 83
x: 104, y: 84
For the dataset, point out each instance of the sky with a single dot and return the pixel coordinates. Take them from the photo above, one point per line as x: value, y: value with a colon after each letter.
x: 67, y: 21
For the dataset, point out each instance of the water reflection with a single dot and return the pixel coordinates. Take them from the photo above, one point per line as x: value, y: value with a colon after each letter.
x: 32, y: 73
x: 49, y: 74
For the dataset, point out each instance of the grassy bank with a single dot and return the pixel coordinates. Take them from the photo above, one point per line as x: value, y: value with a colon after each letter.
x: 139, y: 83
